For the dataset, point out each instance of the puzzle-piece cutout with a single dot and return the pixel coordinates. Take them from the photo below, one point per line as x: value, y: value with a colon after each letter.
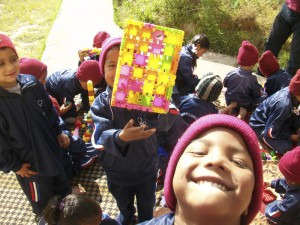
x: 147, y: 65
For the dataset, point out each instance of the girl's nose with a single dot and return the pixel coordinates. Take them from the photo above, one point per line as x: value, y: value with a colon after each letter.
x: 216, y: 160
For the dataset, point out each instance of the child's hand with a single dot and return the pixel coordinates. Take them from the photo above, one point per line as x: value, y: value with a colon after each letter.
x: 63, y: 140
x: 82, y: 54
x: 131, y: 133
x: 65, y: 107
x: 25, y: 171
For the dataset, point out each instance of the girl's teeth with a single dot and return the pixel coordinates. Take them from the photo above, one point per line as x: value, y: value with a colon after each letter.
x: 211, y: 184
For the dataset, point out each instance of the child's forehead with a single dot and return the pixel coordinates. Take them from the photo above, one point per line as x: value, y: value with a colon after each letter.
x: 6, y: 52
x: 219, y: 135
x: 112, y: 55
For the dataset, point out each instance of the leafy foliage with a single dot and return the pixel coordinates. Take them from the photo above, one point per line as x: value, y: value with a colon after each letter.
x: 226, y: 22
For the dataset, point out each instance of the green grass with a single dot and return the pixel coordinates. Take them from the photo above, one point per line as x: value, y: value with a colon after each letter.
x: 28, y: 23
x: 226, y: 22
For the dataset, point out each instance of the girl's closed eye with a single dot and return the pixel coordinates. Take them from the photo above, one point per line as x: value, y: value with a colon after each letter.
x: 198, y: 153
x: 14, y: 59
x: 240, y: 163
x: 112, y: 65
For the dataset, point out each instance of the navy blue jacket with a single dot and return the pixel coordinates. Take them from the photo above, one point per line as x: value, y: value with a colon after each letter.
x: 271, y: 120
x: 192, y: 108
x: 186, y: 80
x: 285, y: 211
x: 166, y: 219
x: 278, y: 80
x: 243, y: 88
x: 126, y: 163
x: 29, y: 127
x: 64, y: 84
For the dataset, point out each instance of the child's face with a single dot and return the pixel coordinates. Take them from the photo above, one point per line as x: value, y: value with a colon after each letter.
x: 110, y: 65
x: 200, y: 51
x: 214, y: 176
x: 9, y: 68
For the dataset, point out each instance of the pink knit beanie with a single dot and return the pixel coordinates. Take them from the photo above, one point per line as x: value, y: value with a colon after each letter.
x: 32, y: 66
x: 289, y: 165
x: 6, y: 42
x: 268, y: 63
x: 194, y: 131
x: 99, y: 38
x: 248, y: 54
x: 294, y: 86
x: 89, y: 70
x: 106, y: 46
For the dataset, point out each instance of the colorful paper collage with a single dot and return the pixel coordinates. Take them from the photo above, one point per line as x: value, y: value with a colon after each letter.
x: 146, y: 70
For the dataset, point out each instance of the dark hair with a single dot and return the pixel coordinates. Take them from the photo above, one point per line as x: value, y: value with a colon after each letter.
x: 74, y: 209
x: 201, y: 39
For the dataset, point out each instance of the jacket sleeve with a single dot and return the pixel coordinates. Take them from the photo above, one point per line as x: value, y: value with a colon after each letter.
x: 276, y: 120
x: 52, y: 114
x: 104, y: 133
x: 283, y: 211
x: 185, y: 68
x: 8, y: 159
x: 279, y: 185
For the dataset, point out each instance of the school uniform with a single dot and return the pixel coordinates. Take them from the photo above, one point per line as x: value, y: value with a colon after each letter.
x: 29, y: 127
x: 243, y: 88
x: 272, y: 121
x: 186, y: 80
x: 278, y: 80
x: 64, y: 84
x: 131, y: 167
x: 192, y: 108
x: 286, y: 23
x: 285, y: 211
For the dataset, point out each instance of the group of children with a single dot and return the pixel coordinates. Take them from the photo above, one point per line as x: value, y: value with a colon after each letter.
x: 216, y: 159
x: 271, y: 111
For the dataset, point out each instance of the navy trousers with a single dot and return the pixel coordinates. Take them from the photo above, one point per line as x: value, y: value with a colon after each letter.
x: 286, y: 23
x: 145, y: 199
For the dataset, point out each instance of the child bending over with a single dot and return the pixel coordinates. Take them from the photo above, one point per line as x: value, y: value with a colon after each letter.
x: 208, y: 90
x: 286, y: 210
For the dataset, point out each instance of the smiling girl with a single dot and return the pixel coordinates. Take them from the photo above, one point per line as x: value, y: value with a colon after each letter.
x: 214, y: 175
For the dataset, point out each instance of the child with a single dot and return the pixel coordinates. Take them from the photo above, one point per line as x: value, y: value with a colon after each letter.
x: 77, y: 154
x: 99, y: 38
x: 273, y: 120
x: 74, y: 209
x: 194, y: 106
x: 214, y: 175
x: 286, y: 210
x: 30, y: 137
x: 38, y: 69
x: 130, y: 145
x: 276, y: 77
x: 65, y: 84
x: 243, y: 87
x: 34, y: 67
x: 186, y: 80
